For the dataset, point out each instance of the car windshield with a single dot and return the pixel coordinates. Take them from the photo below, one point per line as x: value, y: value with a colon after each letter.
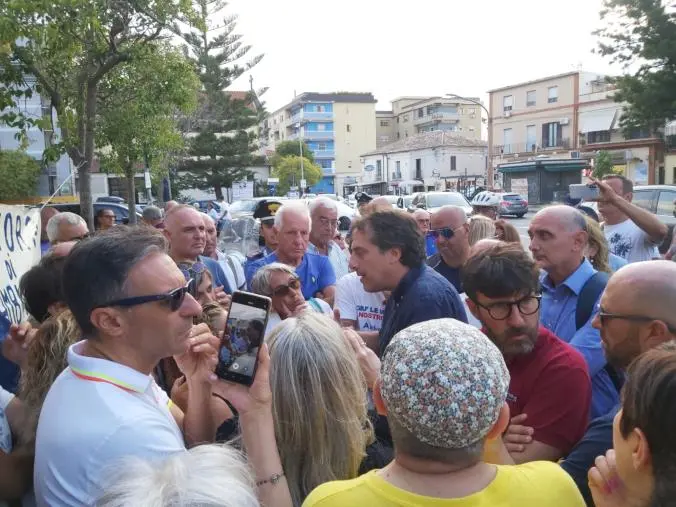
x: 245, y: 205
x: 438, y: 200
x: 511, y: 197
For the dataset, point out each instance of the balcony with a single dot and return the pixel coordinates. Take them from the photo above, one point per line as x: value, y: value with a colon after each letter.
x: 319, y: 134
x: 324, y: 153
x: 436, y: 118
x: 328, y: 171
x: 521, y: 149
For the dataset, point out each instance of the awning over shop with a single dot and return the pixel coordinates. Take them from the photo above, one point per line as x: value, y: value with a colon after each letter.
x: 549, y: 165
x: 597, y: 121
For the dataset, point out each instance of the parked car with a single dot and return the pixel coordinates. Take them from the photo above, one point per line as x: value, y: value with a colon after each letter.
x: 659, y: 200
x: 512, y: 204
x: 404, y: 201
x: 431, y: 201
x: 121, y: 210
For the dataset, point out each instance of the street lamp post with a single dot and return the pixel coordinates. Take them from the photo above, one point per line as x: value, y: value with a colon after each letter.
x: 489, y: 168
x: 302, y: 168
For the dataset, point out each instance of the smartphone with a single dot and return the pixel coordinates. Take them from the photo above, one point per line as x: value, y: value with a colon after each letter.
x: 243, y: 337
x: 583, y: 191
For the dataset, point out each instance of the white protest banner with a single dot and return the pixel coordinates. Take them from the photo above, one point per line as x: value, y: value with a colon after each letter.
x: 19, y: 251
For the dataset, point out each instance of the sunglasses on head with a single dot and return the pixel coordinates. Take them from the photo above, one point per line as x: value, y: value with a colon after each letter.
x: 174, y: 298
x: 283, y: 290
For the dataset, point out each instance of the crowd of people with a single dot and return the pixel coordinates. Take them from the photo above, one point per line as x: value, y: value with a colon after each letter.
x: 423, y: 359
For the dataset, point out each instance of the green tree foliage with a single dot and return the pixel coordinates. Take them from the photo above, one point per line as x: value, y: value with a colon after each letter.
x: 226, y: 126
x: 641, y: 36
x: 286, y: 148
x: 288, y: 170
x: 19, y: 174
x: 64, y: 50
x: 603, y: 164
x: 141, y: 124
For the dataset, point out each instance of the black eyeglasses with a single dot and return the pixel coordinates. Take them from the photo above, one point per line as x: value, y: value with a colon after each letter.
x: 501, y: 311
x: 173, y: 298
x: 283, y: 290
x: 445, y: 232
x: 605, y: 316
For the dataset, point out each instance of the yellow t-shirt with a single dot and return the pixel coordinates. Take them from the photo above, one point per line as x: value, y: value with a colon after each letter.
x: 536, y: 484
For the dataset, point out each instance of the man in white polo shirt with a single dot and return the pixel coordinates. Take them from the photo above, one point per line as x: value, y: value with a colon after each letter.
x: 132, y: 305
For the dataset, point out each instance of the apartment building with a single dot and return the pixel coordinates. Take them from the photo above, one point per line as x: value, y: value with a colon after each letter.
x: 427, y: 161
x: 337, y: 127
x: 412, y: 115
x: 53, y: 174
x: 546, y: 132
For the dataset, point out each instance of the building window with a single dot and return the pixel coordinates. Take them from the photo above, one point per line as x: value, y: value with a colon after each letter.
x: 384, y: 123
x: 453, y: 163
x: 379, y: 170
x: 507, y: 141
x: 553, y: 94
x: 430, y: 110
x: 507, y: 103
x: 421, y: 112
x: 531, y: 138
x: 551, y: 135
x: 418, y: 168
x: 321, y: 126
x: 405, y: 118
x: 397, y: 170
x: 321, y: 146
x: 348, y: 127
x: 530, y: 98
x: 601, y: 136
x: 320, y: 108
x: 398, y: 135
x: 638, y: 133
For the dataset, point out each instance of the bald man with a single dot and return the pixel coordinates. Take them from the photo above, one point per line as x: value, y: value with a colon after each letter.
x: 631, y: 322
x: 450, y: 230
x: 168, y: 205
x: 379, y: 204
x: 186, y: 233
x: 558, y: 238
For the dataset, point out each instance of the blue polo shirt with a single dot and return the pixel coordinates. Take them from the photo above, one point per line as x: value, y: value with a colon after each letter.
x: 557, y: 314
x: 451, y: 274
x: 422, y: 295
x: 315, y: 272
x: 219, y: 278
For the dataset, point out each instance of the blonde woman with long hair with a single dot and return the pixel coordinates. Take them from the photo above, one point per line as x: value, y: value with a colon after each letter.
x: 480, y: 227
x: 319, y: 403
x: 45, y: 361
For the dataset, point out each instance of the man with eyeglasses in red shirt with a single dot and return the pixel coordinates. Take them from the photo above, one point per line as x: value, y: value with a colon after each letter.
x: 450, y: 230
x: 550, y: 381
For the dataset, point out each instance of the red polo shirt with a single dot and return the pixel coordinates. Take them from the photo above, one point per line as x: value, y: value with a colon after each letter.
x: 552, y: 385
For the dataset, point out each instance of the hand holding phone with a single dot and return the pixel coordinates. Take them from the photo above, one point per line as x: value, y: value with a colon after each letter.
x: 586, y: 192
x: 243, y: 337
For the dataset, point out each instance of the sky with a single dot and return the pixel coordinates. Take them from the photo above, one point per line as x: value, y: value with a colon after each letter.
x: 420, y: 47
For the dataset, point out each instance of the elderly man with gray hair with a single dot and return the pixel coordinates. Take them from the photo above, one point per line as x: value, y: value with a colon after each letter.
x: 292, y: 228
x: 324, y: 215
x: 571, y: 290
x: 152, y: 216
x: 281, y: 284
x: 66, y: 226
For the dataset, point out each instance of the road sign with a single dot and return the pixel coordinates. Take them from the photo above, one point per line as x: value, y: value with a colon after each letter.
x: 303, y: 183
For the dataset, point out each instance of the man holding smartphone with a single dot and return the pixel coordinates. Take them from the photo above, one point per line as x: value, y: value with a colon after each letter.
x: 132, y: 304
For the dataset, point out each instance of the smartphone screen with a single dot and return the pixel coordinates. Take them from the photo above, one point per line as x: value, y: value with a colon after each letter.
x: 244, y: 333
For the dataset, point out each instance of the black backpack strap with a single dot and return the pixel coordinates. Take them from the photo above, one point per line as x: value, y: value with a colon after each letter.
x: 586, y: 300
x: 588, y: 296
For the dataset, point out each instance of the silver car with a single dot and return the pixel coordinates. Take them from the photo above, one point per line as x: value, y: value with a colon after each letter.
x: 512, y: 204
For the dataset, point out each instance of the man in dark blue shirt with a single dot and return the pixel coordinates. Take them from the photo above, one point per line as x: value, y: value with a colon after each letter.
x: 388, y: 254
x: 450, y: 230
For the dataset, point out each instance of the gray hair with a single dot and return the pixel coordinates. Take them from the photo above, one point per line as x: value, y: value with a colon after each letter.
x: 298, y: 207
x: 323, y: 202
x: 260, y: 284
x: 208, y: 475
x: 96, y: 271
x: 54, y: 223
x: 152, y: 213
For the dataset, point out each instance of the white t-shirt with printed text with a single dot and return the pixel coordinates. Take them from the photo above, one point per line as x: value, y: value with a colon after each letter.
x: 629, y: 241
x: 354, y: 303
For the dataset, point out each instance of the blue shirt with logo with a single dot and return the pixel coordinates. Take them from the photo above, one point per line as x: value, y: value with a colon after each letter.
x: 315, y: 272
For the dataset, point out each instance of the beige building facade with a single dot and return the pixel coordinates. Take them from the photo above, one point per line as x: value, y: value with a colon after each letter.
x: 568, y: 116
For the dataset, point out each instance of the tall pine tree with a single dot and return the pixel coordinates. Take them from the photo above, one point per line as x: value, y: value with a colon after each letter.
x: 225, y: 125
